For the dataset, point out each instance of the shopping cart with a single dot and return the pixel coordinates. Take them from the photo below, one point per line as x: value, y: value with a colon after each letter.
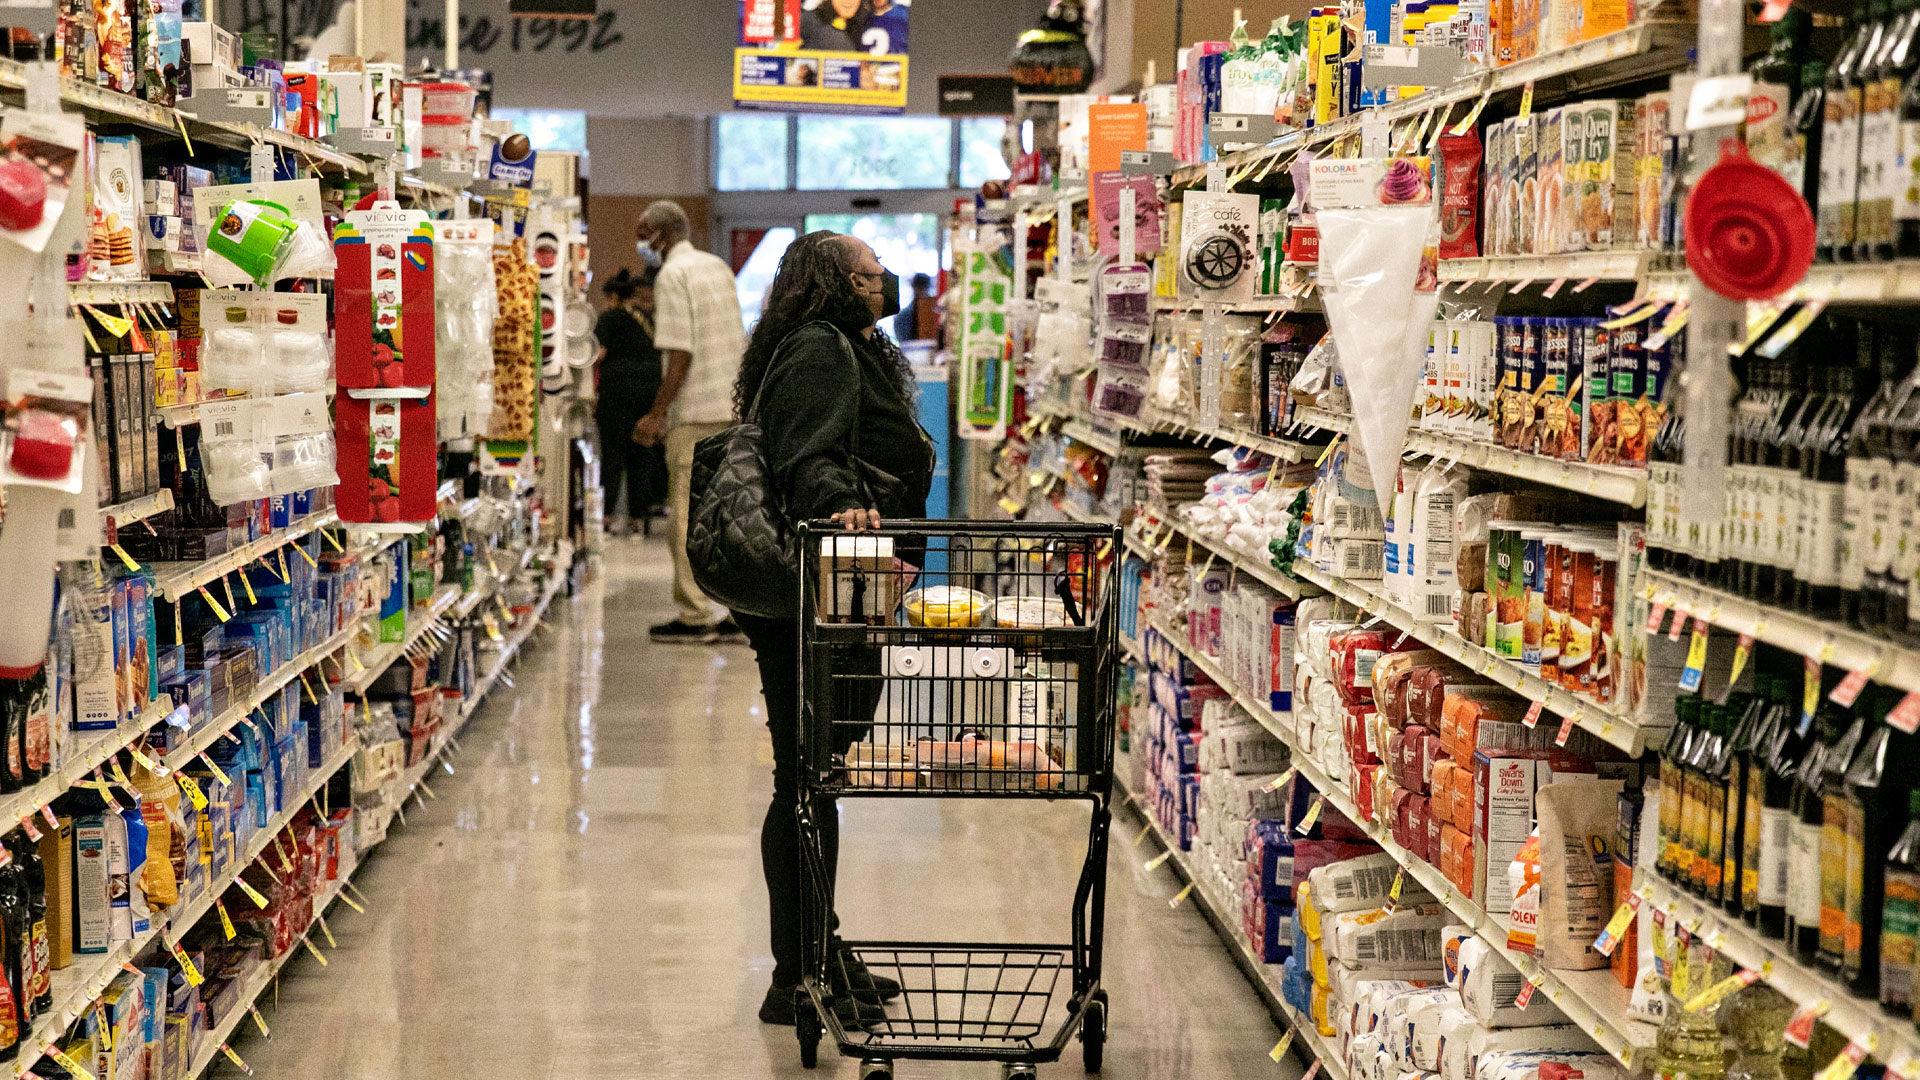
x: 989, y: 674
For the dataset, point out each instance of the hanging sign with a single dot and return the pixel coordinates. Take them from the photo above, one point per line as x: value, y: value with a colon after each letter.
x: 822, y: 56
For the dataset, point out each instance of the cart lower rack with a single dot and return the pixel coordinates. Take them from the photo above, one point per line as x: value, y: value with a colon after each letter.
x: 956, y: 660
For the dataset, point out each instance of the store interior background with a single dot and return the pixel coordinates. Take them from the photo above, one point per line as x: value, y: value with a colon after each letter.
x: 642, y: 87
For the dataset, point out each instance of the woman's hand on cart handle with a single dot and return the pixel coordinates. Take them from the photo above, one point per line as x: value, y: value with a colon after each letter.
x: 856, y: 519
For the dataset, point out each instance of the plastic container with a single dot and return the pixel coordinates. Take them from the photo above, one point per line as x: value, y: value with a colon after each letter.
x: 445, y: 136
x: 442, y: 100
x: 945, y: 605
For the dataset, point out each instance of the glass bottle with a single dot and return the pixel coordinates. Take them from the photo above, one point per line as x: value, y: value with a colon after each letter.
x: 1803, y: 842
x: 1702, y: 803
x: 1823, y: 481
x: 1881, y: 168
x: 1833, y: 835
x: 40, y: 984
x: 1900, y: 920
x: 1840, y: 141
x: 1806, y: 128
x: 1755, y: 815
x: 1782, y: 458
x: 1903, y: 603
x: 1673, y: 792
x: 1878, y: 783
x: 1733, y: 782
x: 1737, y: 500
x: 1713, y: 769
x: 1866, y: 528
x: 14, y: 1022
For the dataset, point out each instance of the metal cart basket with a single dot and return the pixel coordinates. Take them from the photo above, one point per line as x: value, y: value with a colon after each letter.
x: 955, y: 659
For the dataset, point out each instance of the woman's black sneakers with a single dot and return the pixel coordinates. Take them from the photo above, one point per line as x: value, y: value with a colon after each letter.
x: 869, y: 989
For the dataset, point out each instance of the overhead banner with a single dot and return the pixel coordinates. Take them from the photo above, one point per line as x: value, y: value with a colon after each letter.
x: 822, y: 56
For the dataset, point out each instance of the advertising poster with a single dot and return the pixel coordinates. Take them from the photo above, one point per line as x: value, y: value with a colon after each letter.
x: 822, y: 56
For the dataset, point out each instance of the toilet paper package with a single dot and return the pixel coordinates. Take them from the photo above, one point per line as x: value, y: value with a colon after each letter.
x: 1489, y: 987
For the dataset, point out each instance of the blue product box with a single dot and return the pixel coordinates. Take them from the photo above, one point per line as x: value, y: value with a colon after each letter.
x: 1273, y: 942
x: 1271, y: 859
x: 280, y: 510
x: 300, y: 504
x: 169, y: 663
x: 144, y: 678
x: 122, y: 651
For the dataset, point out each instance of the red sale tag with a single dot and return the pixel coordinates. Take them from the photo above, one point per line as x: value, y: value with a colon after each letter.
x: 1566, y: 729
x: 1524, y: 997
x: 1906, y: 715
x: 1855, y: 681
x: 1533, y: 714
x: 1655, y: 617
x: 1678, y: 625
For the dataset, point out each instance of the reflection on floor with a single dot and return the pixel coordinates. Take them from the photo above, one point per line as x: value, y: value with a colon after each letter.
x: 583, y: 899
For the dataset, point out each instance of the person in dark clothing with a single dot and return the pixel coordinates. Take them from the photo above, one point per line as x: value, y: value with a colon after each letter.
x: 918, y: 321
x: 835, y: 406
x: 633, y: 476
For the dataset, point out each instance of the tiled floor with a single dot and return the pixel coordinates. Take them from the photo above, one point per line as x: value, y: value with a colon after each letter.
x: 583, y: 898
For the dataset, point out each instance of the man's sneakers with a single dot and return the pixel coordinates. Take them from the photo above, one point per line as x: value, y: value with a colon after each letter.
x: 681, y: 632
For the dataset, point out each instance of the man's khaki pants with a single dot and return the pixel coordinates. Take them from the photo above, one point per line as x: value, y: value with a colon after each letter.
x: 693, y: 604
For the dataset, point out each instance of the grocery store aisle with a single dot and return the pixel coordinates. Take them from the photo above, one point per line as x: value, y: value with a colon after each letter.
x: 582, y: 898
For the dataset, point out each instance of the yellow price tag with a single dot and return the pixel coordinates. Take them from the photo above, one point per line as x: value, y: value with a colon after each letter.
x: 1741, y: 653
x: 226, y: 584
x: 1844, y: 1064
x: 322, y: 920
x: 1473, y: 114
x: 143, y: 761
x: 1155, y: 862
x: 235, y: 1058
x: 1399, y: 881
x: 253, y: 894
x: 1106, y: 546
x: 1617, y: 926
x: 281, y: 555
x: 301, y: 550
x: 348, y: 900
x: 1326, y: 453
x: 1312, y: 815
x: 226, y: 921
x: 191, y: 788
x: 125, y: 558
x: 1719, y: 991
x: 186, y: 965
x: 1526, y: 100
x: 218, y: 611
x: 1280, y: 1048
x: 259, y: 1021
x: 247, y: 584
x: 308, y: 687
x: 304, y: 940
x: 79, y: 1071
x: 1181, y: 896
x: 1280, y: 781
x: 101, y: 1026
x: 327, y: 535
x: 215, y: 769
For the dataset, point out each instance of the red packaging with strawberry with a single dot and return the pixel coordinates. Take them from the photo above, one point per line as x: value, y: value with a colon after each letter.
x: 388, y: 465
x: 383, y: 300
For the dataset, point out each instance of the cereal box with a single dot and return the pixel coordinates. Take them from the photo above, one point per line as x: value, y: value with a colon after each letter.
x: 1649, y: 130
x: 1605, y: 213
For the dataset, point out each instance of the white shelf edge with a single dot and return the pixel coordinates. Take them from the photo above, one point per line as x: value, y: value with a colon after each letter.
x: 174, y: 580
x: 282, y: 677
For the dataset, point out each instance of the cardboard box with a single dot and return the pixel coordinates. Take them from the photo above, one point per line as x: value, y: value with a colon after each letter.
x: 92, y: 929
x: 1604, y: 215
x: 209, y: 43
x: 858, y: 580
x: 1504, y: 784
x: 56, y: 852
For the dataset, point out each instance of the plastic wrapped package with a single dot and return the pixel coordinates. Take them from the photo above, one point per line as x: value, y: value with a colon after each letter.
x: 465, y: 304
x: 231, y: 457
x: 233, y: 354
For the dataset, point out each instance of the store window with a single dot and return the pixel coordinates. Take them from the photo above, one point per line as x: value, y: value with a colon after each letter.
x: 750, y: 152
x: 763, y: 248
x: 980, y: 159
x: 875, y: 153
x: 549, y: 129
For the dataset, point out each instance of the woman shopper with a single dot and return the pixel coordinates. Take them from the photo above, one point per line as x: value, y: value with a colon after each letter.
x: 835, y: 406
x: 633, y: 476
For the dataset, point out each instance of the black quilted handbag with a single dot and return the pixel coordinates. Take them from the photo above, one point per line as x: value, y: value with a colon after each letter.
x: 739, y: 540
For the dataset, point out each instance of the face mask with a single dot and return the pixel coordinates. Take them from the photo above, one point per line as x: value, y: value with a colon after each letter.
x: 889, y: 293
x: 646, y: 252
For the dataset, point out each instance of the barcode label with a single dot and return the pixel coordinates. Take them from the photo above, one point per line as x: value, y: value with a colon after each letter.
x: 1439, y: 604
x: 1354, y: 558
x: 1506, y: 987
x: 1343, y: 889
x: 223, y: 427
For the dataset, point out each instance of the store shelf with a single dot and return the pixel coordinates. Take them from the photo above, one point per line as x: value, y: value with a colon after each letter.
x: 1579, y: 266
x: 1082, y: 432
x: 1609, y: 482
x: 1891, y: 1040
x: 1259, y: 305
x: 120, y: 292
x: 263, y: 977
x: 1224, y: 914
x: 419, y: 622
x: 1591, y: 999
x: 76, y: 988
x: 1611, y: 725
x: 1829, y: 642
x: 136, y: 510
x: 1635, y: 53
x: 1269, y: 576
x: 282, y: 677
x: 176, y: 579
x: 1895, y: 282
x: 86, y: 750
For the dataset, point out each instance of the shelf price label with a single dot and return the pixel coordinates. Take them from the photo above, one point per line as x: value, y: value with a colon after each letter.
x: 26, y: 824
x: 235, y: 1058
x: 226, y: 921
x: 1312, y: 815
x: 1313, y: 1070
x: 1739, y: 980
x: 253, y: 894
x: 259, y: 1021
x: 1524, y: 997
x: 1532, y: 719
x: 1696, y: 667
x: 1616, y: 927
x: 1847, y: 1062
x: 1809, y: 693
x: 1655, y: 616
x: 67, y: 1062
x: 314, y: 949
x: 1855, y: 681
x: 192, y: 973
x: 1280, y: 781
x: 1566, y: 728
x: 1741, y: 654
x: 191, y: 789
x: 1280, y: 1048
x: 1181, y: 896
x: 1800, y: 1028
x: 1155, y: 862
x: 1906, y: 715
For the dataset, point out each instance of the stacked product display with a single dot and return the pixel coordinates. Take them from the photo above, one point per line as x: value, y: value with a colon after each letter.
x: 264, y: 518
x: 1588, y: 690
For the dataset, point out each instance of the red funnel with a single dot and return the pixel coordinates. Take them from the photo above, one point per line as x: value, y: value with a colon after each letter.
x: 1749, y: 234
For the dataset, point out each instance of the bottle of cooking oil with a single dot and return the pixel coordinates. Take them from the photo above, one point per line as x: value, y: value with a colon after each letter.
x: 1688, y: 1045
x: 1756, y: 1022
